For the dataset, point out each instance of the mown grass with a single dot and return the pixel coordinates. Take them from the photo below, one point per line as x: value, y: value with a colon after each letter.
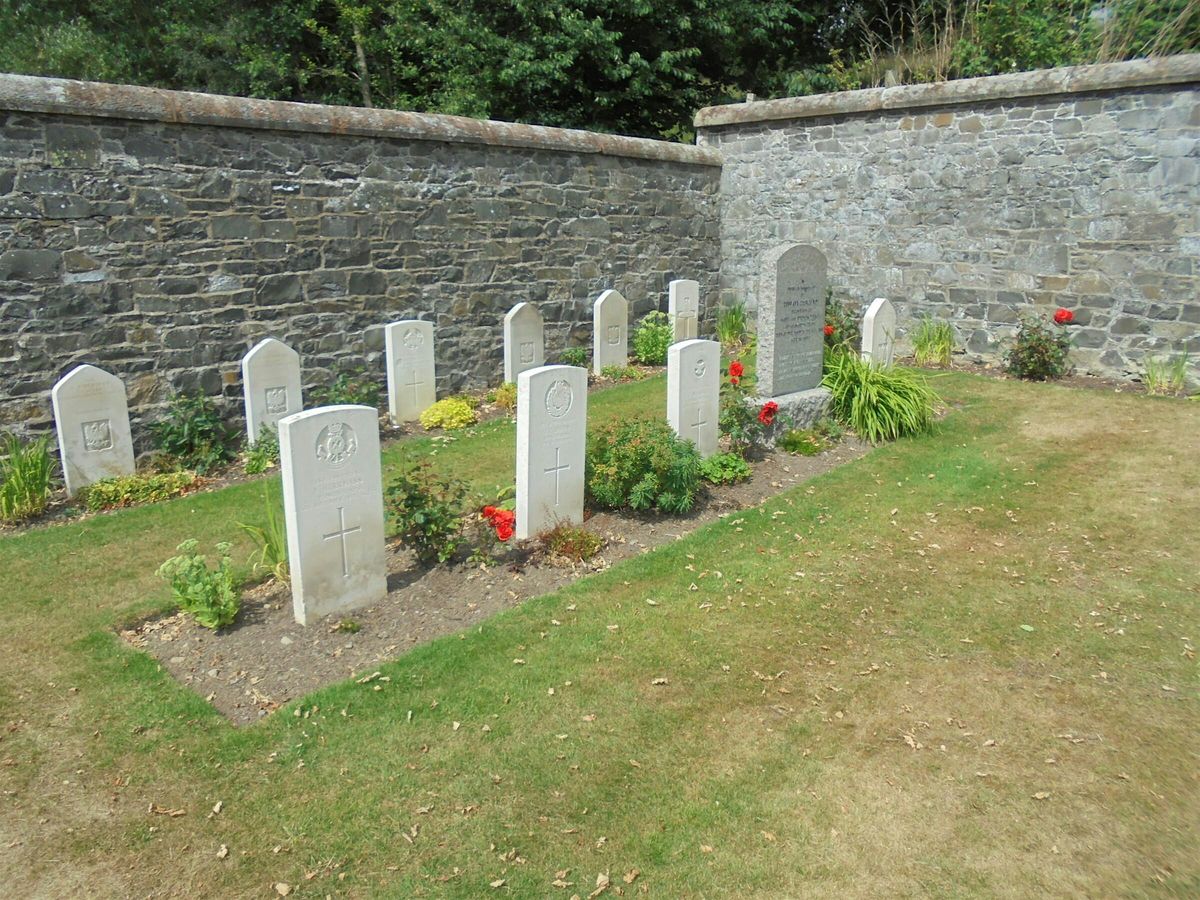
x: 960, y: 666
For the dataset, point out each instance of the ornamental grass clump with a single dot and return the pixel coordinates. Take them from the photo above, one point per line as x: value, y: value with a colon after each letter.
x: 1038, y: 351
x: 651, y: 339
x: 26, y: 477
x: 732, y: 324
x: 879, y: 404
x: 933, y: 342
x: 642, y: 465
x: 209, y: 596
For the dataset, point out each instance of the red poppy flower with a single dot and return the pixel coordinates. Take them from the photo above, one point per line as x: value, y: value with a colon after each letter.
x: 1063, y: 317
x: 766, y: 415
x: 828, y: 330
x: 736, y: 370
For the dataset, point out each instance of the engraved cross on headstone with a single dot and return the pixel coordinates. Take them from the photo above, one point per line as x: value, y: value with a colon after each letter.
x: 556, y: 470
x: 414, y: 384
x: 699, y: 423
x: 341, y: 534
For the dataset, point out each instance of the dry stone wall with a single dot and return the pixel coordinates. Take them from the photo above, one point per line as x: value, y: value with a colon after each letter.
x: 979, y: 200
x: 160, y: 235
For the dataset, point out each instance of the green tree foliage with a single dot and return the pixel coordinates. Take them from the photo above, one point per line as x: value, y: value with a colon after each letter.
x: 630, y: 66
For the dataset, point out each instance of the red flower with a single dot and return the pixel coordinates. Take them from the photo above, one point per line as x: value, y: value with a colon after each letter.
x: 828, y: 331
x: 504, y: 530
x: 1063, y: 317
x: 734, y: 381
x: 489, y: 512
x: 766, y: 415
x: 735, y: 370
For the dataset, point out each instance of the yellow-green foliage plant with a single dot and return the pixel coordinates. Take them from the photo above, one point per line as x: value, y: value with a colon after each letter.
x: 129, y: 490
x: 451, y: 413
x: 1167, y: 376
x: 933, y: 342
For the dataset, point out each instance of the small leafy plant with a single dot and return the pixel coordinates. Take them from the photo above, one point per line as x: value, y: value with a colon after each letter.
x: 742, y: 420
x: 651, y: 339
x: 506, y: 396
x: 642, y: 464
x: 622, y: 373
x: 263, y: 453
x: 26, y: 477
x: 451, y: 413
x: 574, y: 356
x: 802, y: 442
x: 426, y: 511
x: 1167, y: 376
x: 731, y: 327
x: 193, y: 435
x: 129, y: 490
x: 843, y: 325
x: 573, y: 542
x: 270, y: 557
x: 208, y: 595
x: 879, y: 404
x: 350, y: 384
x: 1039, y: 352
x: 933, y: 342
x: 724, y: 468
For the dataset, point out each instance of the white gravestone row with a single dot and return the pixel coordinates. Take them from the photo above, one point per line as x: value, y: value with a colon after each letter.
x: 683, y: 309
x: 333, y: 507
x: 610, y: 331
x: 524, y: 341
x: 91, y: 417
x: 879, y: 332
x: 551, y: 438
x: 411, y: 372
x: 271, y: 385
x: 693, y: 392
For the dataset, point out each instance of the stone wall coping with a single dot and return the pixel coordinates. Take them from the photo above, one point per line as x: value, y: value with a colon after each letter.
x: 1138, y: 73
x: 26, y: 93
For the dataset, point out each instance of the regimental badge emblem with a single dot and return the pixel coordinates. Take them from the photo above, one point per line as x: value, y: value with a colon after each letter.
x: 336, y: 444
x: 614, y: 334
x: 559, y: 398
x: 413, y: 338
x: 276, y: 401
x: 97, y: 435
x: 526, y: 351
x: 700, y: 368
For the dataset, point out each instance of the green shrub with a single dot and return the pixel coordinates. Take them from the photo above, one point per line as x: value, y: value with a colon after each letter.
x: 622, y: 373
x: 193, y: 435
x: 127, y: 490
x: 263, y: 453
x: 933, y: 342
x: 732, y: 327
x: 1166, y: 376
x: 802, y: 441
x: 845, y: 320
x: 209, y: 596
x: 451, y: 413
x: 426, y: 510
x: 506, y: 396
x: 724, y: 468
x: 573, y: 542
x: 350, y: 384
x: 26, y: 477
x: 651, y: 339
x: 642, y: 464
x: 575, y: 356
x: 270, y: 556
x: 740, y: 417
x: 879, y: 404
x: 1038, y: 352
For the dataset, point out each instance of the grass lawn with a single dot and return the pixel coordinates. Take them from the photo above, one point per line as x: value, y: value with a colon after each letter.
x: 960, y: 666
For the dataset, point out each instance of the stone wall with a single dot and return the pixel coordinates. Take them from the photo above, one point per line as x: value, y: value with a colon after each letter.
x: 161, y: 234
x: 981, y: 199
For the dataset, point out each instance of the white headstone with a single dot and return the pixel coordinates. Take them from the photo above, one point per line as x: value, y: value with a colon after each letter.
x: 791, y: 321
x: 411, y: 371
x: 524, y: 341
x: 551, y: 437
x: 270, y: 384
x: 879, y: 332
x: 610, y: 331
x: 92, y: 419
x: 683, y: 306
x: 333, y: 507
x: 693, y: 392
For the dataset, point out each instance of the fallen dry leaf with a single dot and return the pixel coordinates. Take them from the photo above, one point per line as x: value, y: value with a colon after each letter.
x: 498, y: 883
x: 631, y: 876
x: 282, y: 888
x: 164, y: 811
x: 1041, y: 795
x: 223, y: 852
x: 660, y: 680
x: 602, y: 883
